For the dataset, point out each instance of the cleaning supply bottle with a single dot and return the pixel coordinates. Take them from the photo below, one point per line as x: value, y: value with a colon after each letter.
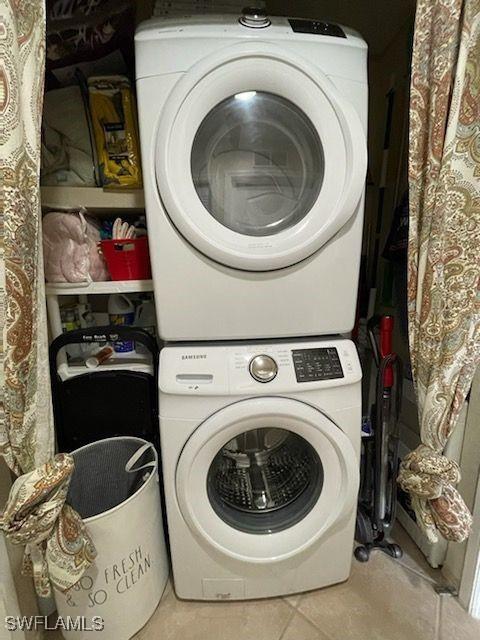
x: 121, y: 311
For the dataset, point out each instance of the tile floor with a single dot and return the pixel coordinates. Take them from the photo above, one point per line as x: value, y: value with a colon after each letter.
x: 384, y: 599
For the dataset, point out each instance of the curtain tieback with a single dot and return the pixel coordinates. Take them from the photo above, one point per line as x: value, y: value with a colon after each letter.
x: 430, y: 478
x: 424, y: 473
x: 58, y: 549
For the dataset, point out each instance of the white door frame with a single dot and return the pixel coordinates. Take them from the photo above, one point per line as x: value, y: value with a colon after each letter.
x: 469, y: 589
x: 469, y: 592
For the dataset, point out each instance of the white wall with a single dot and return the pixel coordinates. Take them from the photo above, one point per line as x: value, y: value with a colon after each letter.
x: 462, y: 565
x: 17, y: 595
x: 8, y: 596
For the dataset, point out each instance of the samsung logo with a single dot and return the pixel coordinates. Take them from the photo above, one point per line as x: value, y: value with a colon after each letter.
x: 195, y: 356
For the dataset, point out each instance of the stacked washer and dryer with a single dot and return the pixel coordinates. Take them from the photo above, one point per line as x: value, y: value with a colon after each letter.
x: 253, y: 134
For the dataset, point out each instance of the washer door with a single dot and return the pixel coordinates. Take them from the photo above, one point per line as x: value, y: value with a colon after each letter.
x: 259, y: 159
x: 265, y: 478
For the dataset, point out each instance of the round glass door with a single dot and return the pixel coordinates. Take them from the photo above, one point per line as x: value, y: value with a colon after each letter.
x: 259, y: 159
x: 270, y: 467
x: 264, y: 480
x: 257, y: 163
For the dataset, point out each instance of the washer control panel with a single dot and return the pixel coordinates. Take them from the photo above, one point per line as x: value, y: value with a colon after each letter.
x: 256, y: 368
x: 317, y: 364
x: 263, y: 368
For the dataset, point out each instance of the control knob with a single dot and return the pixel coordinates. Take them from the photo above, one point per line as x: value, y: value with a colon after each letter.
x: 254, y: 18
x: 263, y: 368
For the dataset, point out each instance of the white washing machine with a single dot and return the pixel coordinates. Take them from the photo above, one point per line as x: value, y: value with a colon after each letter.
x: 260, y: 448
x: 253, y: 136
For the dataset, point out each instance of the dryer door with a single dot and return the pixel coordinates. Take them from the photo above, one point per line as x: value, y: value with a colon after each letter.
x: 259, y: 159
x: 265, y: 478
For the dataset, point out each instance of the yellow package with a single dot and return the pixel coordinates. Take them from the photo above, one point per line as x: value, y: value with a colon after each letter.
x: 113, y: 116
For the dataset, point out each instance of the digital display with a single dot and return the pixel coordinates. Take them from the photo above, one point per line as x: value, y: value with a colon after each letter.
x: 316, y: 27
x: 317, y: 364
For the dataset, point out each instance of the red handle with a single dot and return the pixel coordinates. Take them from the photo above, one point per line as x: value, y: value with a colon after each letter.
x: 386, y: 331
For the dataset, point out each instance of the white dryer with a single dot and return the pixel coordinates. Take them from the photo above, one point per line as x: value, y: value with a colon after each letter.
x: 253, y: 136
x: 260, y: 448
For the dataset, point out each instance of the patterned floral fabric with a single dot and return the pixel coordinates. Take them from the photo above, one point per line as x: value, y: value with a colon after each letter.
x: 26, y: 426
x: 58, y: 548
x: 444, y: 249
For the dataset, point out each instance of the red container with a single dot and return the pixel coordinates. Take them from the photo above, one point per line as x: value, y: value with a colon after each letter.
x: 127, y: 259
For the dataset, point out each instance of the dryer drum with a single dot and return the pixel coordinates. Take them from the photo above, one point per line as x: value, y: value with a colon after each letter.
x: 257, y: 163
x: 265, y: 480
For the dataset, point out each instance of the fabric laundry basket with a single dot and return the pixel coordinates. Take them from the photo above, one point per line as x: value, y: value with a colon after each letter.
x: 115, y: 488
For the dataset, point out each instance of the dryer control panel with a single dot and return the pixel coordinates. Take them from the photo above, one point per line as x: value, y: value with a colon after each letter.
x: 258, y: 367
x: 316, y: 27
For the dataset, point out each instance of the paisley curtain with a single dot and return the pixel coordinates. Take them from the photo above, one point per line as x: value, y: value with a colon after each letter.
x: 444, y: 250
x: 26, y: 425
x: 58, y: 547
